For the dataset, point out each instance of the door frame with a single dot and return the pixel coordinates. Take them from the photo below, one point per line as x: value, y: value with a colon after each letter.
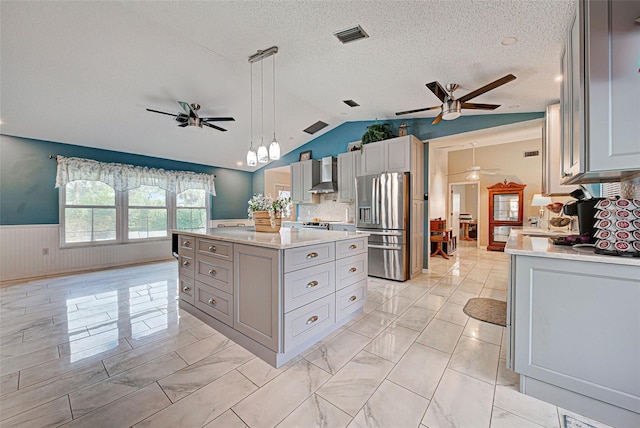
x: 449, y: 206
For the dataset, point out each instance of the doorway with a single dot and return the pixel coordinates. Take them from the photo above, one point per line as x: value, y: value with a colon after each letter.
x: 464, y: 212
x: 277, y: 182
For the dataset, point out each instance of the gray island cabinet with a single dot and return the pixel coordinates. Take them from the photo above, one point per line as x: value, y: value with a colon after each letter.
x: 276, y: 294
x: 573, y: 328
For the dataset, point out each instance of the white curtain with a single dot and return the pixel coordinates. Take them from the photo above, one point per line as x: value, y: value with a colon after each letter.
x: 125, y: 177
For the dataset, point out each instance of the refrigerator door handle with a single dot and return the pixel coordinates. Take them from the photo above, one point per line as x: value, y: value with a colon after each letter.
x: 386, y: 247
x: 373, y: 232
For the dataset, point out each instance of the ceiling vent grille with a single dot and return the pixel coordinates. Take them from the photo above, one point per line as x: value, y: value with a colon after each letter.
x: 351, y: 34
x: 351, y: 103
x: 316, y: 127
x: 531, y: 153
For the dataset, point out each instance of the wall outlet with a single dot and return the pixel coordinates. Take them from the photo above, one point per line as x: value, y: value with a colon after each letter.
x: 45, y: 251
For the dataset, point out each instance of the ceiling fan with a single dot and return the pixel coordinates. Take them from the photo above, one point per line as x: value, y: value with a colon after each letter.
x: 475, y: 170
x: 451, y: 107
x: 190, y: 117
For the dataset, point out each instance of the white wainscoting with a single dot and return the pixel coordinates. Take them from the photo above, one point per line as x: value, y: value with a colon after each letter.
x: 21, y: 253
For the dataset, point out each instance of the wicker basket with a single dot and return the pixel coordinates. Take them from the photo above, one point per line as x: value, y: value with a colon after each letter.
x: 263, y: 222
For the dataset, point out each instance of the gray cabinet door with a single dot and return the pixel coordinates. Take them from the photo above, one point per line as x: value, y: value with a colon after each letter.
x: 257, y: 294
x: 303, y: 176
x: 296, y: 182
x: 372, y: 161
x: 577, y: 326
x: 348, y: 169
x: 397, y: 154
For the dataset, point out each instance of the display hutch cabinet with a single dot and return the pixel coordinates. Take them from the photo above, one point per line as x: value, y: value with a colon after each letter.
x: 505, y: 212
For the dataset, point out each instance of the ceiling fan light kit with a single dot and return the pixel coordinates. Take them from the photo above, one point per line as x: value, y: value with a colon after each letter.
x: 451, y: 108
x: 263, y: 155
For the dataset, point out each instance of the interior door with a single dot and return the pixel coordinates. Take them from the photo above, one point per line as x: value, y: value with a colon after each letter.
x: 455, y: 211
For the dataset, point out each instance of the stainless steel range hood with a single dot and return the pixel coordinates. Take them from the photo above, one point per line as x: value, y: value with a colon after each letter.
x: 329, y: 176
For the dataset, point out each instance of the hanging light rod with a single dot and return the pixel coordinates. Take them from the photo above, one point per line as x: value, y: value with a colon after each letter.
x: 260, y: 55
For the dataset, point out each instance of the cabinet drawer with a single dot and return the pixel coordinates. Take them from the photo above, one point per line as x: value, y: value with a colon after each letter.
x: 308, y: 321
x: 350, y: 270
x: 186, y: 265
x: 350, y: 299
x: 186, y: 244
x: 214, y: 302
x: 186, y: 290
x: 306, y: 285
x: 215, y: 272
x: 351, y: 247
x: 312, y: 255
x: 220, y: 249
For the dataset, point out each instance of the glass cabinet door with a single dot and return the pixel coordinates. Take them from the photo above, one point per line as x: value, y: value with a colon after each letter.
x: 506, y: 207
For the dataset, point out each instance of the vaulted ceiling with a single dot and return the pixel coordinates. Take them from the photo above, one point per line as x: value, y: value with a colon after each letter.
x: 83, y: 73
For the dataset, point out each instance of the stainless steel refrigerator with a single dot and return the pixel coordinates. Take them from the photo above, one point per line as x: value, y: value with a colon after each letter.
x: 382, y: 210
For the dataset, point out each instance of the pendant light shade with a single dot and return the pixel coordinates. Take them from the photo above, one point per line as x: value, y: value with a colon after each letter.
x: 263, y: 154
x: 274, y: 149
x: 252, y: 156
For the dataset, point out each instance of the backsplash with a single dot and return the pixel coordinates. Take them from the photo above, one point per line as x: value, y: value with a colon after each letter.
x: 327, y: 210
x: 630, y: 189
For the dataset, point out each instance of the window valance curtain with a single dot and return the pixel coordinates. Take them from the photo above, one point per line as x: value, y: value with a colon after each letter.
x: 125, y: 177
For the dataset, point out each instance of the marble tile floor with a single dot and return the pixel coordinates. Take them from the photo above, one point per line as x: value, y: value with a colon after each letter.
x: 112, y: 349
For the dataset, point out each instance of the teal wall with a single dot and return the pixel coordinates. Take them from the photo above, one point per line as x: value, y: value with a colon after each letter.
x: 27, y: 179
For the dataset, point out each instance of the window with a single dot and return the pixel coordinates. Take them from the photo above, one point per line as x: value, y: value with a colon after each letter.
x: 147, y: 212
x: 106, y: 203
x: 89, y: 212
x: 191, y: 210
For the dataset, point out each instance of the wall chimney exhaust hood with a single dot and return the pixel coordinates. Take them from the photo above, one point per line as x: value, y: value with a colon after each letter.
x: 329, y: 176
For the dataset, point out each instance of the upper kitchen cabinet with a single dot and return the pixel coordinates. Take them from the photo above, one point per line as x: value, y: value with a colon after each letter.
x: 600, y: 97
x: 348, y: 170
x: 303, y: 176
x: 392, y: 155
x: 551, y: 156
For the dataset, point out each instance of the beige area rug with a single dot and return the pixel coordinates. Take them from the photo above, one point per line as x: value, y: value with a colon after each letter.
x: 487, y: 310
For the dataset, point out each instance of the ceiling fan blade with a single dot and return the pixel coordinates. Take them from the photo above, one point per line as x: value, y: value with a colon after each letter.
x: 417, y: 110
x: 184, y: 124
x: 486, y: 88
x: 437, y: 119
x: 480, y: 106
x: 187, y: 108
x: 217, y: 119
x: 181, y: 117
x: 457, y: 173
x: 486, y: 172
x: 438, y: 90
x: 213, y: 126
x: 161, y: 112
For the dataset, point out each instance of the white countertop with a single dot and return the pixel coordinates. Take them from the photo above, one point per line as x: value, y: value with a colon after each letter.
x: 540, y: 246
x: 286, y: 238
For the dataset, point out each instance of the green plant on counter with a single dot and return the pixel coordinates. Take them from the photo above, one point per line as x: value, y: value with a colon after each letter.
x: 377, y: 132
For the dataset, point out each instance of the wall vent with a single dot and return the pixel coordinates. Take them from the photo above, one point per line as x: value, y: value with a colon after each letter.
x: 531, y: 153
x: 351, y: 34
x: 316, y: 127
x: 351, y: 103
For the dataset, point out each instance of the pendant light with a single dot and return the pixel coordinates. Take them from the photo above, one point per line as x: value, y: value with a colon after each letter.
x: 274, y: 148
x: 252, y: 157
x: 263, y: 154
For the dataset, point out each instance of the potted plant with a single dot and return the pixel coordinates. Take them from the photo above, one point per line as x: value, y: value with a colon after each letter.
x: 267, y: 212
x: 377, y: 132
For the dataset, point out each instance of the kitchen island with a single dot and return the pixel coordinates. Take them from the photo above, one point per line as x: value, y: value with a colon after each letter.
x: 573, y: 328
x: 276, y: 294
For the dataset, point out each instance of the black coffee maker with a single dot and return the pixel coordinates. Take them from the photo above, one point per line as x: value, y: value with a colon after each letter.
x: 585, y: 209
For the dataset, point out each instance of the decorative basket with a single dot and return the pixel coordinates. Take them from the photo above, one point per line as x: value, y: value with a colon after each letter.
x: 263, y: 222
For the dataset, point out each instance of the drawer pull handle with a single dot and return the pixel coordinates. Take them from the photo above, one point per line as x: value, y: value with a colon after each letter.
x: 312, y: 255
x: 312, y: 319
x: 352, y: 298
x: 212, y: 272
x: 352, y: 270
x: 185, y: 263
x: 186, y: 244
x: 186, y: 289
x: 212, y: 301
x: 212, y: 248
x: 312, y: 284
x: 353, y: 246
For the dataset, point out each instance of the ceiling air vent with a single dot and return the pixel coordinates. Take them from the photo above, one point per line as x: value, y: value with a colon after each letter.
x: 351, y: 34
x: 351, y: 103
x: 316, y: 127
x: 531, y: 153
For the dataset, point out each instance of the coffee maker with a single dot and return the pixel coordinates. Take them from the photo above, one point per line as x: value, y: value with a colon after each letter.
x: 584, y: 208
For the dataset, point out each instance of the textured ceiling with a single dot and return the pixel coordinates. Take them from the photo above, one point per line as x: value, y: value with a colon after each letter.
x: 83, y: 72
